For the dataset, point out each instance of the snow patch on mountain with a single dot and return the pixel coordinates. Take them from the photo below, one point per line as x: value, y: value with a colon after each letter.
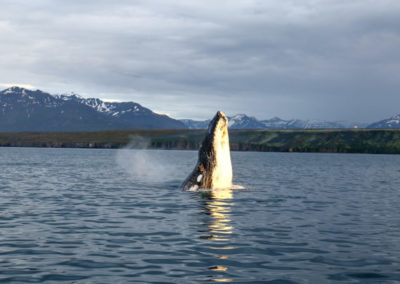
x: 112, y: 108
x: 392, y: 122
x: 242, y: 121
x: 40, y: 111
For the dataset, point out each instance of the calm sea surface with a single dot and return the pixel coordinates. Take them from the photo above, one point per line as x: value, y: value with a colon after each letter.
x: 117, y: 216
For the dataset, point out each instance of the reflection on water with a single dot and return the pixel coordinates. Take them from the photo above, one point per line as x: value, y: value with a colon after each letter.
x: 73, y: 216
x: 217, y: 206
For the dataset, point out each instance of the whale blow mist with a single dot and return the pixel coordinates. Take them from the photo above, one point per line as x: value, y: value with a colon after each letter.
x: 145, y: 165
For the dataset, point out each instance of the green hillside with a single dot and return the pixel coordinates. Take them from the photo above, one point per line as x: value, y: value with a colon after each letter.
x: 340, y: 141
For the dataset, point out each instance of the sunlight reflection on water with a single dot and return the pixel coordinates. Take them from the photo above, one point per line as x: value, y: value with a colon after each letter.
x: 218, y: 204
x: 78, y: 216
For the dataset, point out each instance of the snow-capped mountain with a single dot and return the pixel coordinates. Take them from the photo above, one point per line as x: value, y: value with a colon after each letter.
x: 239, y: 121
x: 312, y: 124
x: 274, y: 123
x: 242, y: 121
x: 26, y: 110
x: 392, y: 122
x: 115, y: 109
x: 131, y: 113
x: 277, y: 123
x: 195, y: 124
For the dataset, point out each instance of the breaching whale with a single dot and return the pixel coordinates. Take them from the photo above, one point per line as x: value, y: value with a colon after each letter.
x: 214, y: 168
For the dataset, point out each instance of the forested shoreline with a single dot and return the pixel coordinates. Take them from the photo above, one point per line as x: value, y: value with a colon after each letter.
x: 386, y: 141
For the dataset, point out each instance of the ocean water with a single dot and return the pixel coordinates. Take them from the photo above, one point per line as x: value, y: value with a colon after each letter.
x: 118, y: 216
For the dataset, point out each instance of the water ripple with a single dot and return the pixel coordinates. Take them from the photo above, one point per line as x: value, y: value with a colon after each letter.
x: 74, y: 216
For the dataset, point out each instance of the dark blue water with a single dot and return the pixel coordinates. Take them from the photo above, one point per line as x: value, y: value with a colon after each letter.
x: 117, y: 216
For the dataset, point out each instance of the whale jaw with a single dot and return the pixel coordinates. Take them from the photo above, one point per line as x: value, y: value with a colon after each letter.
x: 214, y: 167
x: 222, y: 171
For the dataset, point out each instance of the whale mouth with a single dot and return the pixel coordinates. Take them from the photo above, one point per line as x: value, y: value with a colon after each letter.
x: 220, y: 120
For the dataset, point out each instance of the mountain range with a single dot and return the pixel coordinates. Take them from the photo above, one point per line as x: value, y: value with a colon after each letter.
x: 242, y: 121
x: 392, y: 122
x: 27, y: 110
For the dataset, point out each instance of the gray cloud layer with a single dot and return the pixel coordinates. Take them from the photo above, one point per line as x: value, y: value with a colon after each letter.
x: 321, y: 59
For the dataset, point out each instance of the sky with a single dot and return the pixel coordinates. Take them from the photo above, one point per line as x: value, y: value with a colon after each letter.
x: 304, y: 59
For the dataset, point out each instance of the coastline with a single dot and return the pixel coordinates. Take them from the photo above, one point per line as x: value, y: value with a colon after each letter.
x: 373, y: 141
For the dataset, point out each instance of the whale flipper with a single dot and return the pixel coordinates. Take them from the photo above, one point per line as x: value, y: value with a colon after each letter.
x: 214, y: 167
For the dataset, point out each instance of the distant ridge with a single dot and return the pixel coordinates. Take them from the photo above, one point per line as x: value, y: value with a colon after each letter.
x: 242, y: 121
x: 392, y: 122
x: 26, y: 110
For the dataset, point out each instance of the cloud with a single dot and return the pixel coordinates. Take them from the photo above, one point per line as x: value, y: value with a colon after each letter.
x: 26, y: 86
x: 330, y: 59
